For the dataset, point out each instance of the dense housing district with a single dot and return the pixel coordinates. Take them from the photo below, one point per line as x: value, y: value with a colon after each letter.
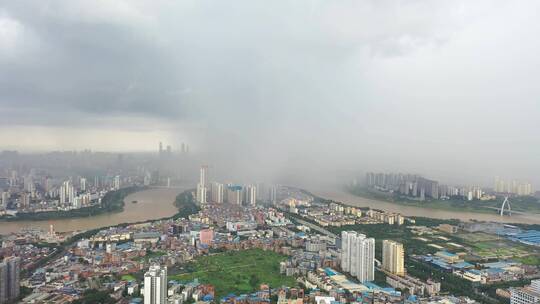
x: 286, y: 246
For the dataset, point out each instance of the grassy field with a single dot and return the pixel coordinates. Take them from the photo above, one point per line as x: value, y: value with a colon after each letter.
x: 499, y: 249
x: 237, y: 271
x: 530, y: 260
x: 128, y: 277
x: 150, y: 255
x: 472, y: 238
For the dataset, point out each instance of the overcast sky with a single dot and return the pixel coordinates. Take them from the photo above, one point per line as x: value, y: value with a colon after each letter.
x: 446, y: 88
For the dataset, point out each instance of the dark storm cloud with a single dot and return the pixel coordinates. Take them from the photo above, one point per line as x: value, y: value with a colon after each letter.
x: 400, y: 85
x: 100, y: 59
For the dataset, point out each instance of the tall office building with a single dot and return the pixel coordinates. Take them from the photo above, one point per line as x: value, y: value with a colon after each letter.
x: 24, y: 200
x: 28, y: 183
x: 201, y: 186
x: 251, y: 195
x: 47, y: 184
x: 3, y: 283
x: 393, y: 257
x: 201, y: 194
x: 4, y: 199
x: 202, y: 177
x: 10, y: 270
x: 82, y: 184
x: 273, y: 194
x: 66, y: 194
x: 358, y: 255
x: 116, y: 182
x: 262, y: 192
x: 234, y: 195
x: 155, y: 285
x: 514, y: 187
x: 216, y: 193
x: 346, y: 244
x: 526, y: 295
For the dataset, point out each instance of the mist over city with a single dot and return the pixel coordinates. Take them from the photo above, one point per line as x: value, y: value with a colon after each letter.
x: 280, y: 89
x: 269, y: 152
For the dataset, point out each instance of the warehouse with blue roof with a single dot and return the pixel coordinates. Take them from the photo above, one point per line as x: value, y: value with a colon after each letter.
x: 529, y: 237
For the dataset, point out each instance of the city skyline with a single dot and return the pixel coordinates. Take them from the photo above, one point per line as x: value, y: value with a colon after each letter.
x: 269, y: 152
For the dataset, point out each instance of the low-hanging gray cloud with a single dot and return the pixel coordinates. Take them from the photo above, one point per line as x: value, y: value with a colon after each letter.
x: 446, y: 88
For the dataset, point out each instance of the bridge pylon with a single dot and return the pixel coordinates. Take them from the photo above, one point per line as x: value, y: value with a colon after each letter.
x: 505, y: 203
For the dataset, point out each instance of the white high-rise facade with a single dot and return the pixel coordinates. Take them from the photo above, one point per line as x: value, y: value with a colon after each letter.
x: 66, y: 194
x: 393, y: 257
x: 82, y: 184
x: 251, y: 195
x: 201, y: 186
x: 4, y: 198
x: 201, y: 194
x: 216, y: 190
x: 358, y: 255
x: 116, y: 182
x: 155, y: 285
x: 346, y: 244
x: 273, y: 194
x: 202, y: 176
x: 526, y: 295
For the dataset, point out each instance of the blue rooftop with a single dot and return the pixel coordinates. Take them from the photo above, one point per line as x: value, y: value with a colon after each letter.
x: 462, y: 265
x: 531, y: 237
x: 446, y: 253
x: 330, y: 272
x: 124, y: 246
x: 495, y: 270
x: 474, y: 271
x: 499, y: 264
x: 371, y: 285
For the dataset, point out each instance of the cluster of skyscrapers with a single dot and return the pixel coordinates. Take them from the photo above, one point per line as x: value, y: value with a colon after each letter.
x: 418, y: 187
x: 512, y: 187
x: 10, y: 270
x: 43, y: 193
x: 66, y: 194
x: 358, y: 256
x: 167, y: 152
x: 231, y: 193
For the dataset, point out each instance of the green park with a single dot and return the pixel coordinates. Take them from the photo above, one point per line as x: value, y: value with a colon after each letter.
x: 236, y: 271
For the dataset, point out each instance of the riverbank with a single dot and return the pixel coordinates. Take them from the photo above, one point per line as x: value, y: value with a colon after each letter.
x: 521, y: 204
x: 153, y: 203
x: 112, y: 202
x: 338, y: 194
x: 184, y: 202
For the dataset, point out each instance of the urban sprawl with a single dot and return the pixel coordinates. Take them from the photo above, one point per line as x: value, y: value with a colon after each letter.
x: 256, y: 243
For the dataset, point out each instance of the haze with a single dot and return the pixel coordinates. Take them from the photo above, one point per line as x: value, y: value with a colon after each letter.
x: 297, y: 90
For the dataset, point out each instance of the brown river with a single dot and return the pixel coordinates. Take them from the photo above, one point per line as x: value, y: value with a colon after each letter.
x: 151, y: 204
x: 158, y: 203
x: 352, y: 200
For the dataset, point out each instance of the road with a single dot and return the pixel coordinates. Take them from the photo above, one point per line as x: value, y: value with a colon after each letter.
x: 315, y: 227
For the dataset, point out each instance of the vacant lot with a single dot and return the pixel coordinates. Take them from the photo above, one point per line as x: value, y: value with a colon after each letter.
x: 499, y: 249
x: 237, y: 271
